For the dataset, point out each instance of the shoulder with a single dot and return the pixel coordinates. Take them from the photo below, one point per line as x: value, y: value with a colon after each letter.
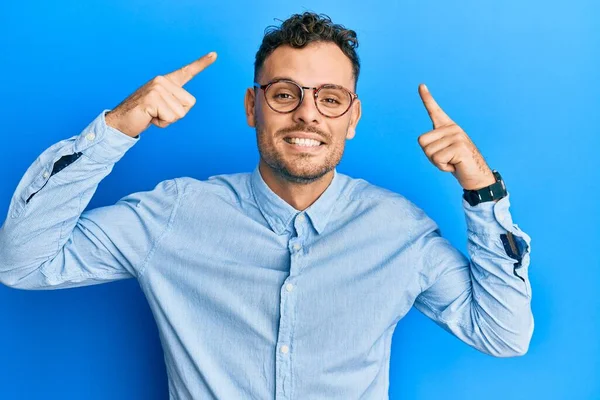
x: 230, y: 187
x: 358, y: 189
x: 399, y: 210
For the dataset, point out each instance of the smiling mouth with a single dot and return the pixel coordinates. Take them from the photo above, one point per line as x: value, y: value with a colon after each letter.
x: 304, y: 143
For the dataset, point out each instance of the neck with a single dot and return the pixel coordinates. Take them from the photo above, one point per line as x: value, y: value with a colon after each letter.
x: 299, y: 196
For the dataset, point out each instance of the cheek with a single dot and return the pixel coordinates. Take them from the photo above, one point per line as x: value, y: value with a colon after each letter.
x: 271, y: 124
x: 339, y: 132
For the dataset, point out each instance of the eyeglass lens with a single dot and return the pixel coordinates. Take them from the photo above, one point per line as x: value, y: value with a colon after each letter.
x: 285, y: 96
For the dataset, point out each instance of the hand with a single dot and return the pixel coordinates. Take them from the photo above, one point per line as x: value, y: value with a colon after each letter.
x: 161, y: 101
x: 450, y: 149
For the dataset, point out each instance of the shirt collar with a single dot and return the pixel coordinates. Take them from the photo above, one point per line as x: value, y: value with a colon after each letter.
x: 280, y: 214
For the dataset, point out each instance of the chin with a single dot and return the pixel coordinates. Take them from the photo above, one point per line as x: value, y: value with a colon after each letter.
x: 303, y: 175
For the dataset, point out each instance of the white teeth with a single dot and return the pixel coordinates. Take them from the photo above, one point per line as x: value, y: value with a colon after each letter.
x: 304, y: 142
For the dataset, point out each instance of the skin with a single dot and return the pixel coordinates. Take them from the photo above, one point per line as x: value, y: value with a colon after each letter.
x: 160, y: 102
x: 301, y: 177
x: 450, y: 149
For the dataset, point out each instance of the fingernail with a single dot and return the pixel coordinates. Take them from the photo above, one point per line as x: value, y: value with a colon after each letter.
x: 211, y: 54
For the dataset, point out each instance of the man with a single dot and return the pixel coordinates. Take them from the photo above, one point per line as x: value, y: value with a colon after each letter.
x: 286, y: 282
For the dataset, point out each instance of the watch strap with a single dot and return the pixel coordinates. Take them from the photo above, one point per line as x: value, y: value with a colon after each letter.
x: 492, y: 192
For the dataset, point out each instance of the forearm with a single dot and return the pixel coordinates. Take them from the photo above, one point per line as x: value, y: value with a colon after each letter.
x: 499, y: 253
x: 484, y: 301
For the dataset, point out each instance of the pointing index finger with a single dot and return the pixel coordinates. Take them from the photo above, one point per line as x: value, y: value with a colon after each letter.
x: 437, y: 115
x: 184, y: 74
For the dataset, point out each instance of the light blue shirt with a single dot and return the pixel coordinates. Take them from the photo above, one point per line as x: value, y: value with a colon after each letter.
x: 254, y: 299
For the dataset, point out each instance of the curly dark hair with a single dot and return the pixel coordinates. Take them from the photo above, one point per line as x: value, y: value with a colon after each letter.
x: 302, y: 29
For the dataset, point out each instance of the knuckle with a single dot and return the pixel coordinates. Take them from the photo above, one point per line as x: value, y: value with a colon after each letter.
x: 153, y: 96
x: 185, y: 70
x: 458, y: 138
x: 171, y: 117
x: 179, y: 113
x: 159, y: 79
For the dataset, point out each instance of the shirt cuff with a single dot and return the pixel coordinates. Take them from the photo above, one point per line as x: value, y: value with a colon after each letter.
x: 103, y: 143
x: 489, y: 217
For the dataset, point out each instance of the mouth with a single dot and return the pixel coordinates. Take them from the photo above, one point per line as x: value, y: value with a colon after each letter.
x: 304, y: 145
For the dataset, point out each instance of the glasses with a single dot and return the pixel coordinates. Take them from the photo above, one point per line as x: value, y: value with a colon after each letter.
x: 285, y: 96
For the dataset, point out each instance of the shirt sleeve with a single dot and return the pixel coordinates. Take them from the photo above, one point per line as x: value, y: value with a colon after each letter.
x: 485, y: 301
x: 48, y: 242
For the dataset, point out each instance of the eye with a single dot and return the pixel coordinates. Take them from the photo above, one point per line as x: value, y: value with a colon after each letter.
x: 331, y: 100
x: 283, y: 96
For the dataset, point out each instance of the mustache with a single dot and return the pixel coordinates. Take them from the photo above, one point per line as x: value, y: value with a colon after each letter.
x: 302, y: 128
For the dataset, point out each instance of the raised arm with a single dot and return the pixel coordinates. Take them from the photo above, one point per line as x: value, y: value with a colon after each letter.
x: 48, y: 242
x: 485, y: 300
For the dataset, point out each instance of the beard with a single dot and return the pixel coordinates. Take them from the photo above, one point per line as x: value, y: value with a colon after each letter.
x: 301, y: 168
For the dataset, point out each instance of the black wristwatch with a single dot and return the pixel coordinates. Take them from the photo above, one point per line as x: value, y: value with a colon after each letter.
x: 493, y: 192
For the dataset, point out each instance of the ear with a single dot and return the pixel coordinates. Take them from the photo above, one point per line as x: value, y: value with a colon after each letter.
x: 355, y: 113
x: 249, y: 104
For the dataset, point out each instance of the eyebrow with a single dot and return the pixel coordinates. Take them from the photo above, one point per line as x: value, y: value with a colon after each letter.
x: 281, y: 77
x: 291, y: 79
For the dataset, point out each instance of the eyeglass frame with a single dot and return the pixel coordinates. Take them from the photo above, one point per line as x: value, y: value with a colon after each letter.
x: 265, y: 87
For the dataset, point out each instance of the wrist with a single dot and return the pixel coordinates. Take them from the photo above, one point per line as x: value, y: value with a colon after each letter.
x: 491, y: 192
x: 110, y: 120
x: 488, y: 180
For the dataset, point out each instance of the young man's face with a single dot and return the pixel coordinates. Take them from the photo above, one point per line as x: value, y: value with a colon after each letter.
x: 311, y: 66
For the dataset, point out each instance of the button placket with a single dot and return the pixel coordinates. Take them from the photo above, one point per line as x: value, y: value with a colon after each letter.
x: 284, y: 381
x: 283, y: 361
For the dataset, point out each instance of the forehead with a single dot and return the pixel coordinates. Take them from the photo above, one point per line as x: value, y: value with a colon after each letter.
x: 312, y: 65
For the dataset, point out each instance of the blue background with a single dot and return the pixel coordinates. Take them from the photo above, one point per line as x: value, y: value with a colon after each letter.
x: 521, y: 78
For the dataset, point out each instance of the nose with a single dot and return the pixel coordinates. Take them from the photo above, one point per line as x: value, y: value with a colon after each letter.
x: 307, y: 111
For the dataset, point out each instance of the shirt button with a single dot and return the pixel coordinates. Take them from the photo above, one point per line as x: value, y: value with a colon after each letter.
x: 45, y: 175
x: 301, y: 218
x: 90, y: 136
x: 289, y: 287
x: 297, y: 246
x: 285, y: 349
